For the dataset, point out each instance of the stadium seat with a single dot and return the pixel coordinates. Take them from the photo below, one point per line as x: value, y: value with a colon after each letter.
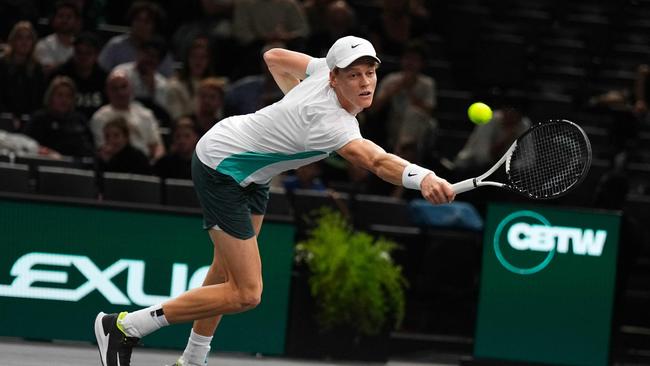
x: 15, y: 178
x: 180, y: 192
x: 128, y: 187
x: 382, y: 214
x: 278, y: 203
x: 68, y: 182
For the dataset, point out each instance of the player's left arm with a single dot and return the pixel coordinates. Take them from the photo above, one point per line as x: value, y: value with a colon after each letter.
x: 393, y: 169
x: 287, y: 67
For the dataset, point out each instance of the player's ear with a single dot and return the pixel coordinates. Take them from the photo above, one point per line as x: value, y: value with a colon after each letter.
x: 333, y: 78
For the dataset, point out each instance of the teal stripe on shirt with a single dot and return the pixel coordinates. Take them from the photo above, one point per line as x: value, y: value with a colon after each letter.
x: 240, y: 166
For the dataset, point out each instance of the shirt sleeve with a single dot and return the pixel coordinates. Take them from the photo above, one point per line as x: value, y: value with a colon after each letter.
x: 316, y: 65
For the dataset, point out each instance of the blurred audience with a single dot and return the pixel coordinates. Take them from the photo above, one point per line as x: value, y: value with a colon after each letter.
x: 144, y: 130
x: 22, y: 82
x: 197, y: 65
x: 116, y: 154
x: 408, y: 97
x: 146, y: 20
x: 209, y: 103
x: 88, y: 76
x: 177, y: 163
x: 305, y: 177
x: 58, y: 47
x: 397, y: 23
x: 257, y: 22
x: 488, y: 142
x: 213, y: 21
x: 335, y: 20
x: 253, y: 92
x: 58, y: 126
x: 148, y: 85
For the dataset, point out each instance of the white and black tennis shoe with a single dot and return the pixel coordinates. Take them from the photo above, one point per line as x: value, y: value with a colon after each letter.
x: 114, y: 346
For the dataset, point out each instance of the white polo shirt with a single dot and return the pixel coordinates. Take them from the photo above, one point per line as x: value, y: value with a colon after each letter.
x: 305, y: 126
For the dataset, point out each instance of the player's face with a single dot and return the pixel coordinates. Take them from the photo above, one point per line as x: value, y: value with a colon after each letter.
x: 355, y: 86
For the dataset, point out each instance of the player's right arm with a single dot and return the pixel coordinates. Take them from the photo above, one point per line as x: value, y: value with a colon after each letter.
x: 392, y: 168
x: 287, y: 67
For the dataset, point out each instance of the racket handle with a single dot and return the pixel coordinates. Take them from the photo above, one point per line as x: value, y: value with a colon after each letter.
x: 464, y: 186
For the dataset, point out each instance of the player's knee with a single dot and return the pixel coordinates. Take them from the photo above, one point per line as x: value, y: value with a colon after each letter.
x: 249, y: 297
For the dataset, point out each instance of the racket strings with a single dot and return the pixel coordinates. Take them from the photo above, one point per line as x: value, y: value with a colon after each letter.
x: 549, y: 160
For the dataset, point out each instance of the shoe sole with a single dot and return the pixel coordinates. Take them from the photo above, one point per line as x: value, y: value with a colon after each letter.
x: 102, y: 340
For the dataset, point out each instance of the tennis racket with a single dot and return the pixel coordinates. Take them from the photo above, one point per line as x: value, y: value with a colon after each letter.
x: 547, y: 161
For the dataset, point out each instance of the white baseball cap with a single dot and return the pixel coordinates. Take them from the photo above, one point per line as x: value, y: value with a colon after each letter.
x: 347, y: 49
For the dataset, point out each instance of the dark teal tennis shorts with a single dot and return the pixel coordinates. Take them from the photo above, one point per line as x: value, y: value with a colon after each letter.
x: 225, y: 203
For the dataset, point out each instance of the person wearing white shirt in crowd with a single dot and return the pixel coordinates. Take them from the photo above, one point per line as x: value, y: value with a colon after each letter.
x: 58, y: 47
x: 144, y: 130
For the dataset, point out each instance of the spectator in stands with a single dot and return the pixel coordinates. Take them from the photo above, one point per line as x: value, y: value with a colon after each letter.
x: 145, y: 135
x: 197, y: 65
x: 408, y: 98
x: 488, y: 142
x: 58, y: 47
x: 177, y: 163
x: 257, y: 22
x: 58, y: 126
x: 209, y: 103
x: 148, y: 85
x: 253, y: 92
x: 335, y: 20
x: 116, y: 154
x: 213, y: 22
x: 21, y: 77
x: 88, y: 76
x: 146, y: 19
x: 396, y: 25
x: 305, y: 177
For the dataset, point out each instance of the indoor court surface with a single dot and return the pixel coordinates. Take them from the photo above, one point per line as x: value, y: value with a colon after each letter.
x: 23, y: 353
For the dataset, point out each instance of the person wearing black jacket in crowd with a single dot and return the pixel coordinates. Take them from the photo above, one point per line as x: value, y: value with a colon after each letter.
x: 117, y: 154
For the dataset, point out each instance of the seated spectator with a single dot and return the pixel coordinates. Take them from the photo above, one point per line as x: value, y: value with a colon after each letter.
x: 117, y: 154
x: 145, y: 18
x: 305, y: 177
x: 22, y: 82
x: 257, y: 22
x: 212, y: 21
x: 177, y: 163
x: 145, y: 134
x: 58, y: 47
x: 197, y: 65
x: 148, y: 85
x: 88, y: 76
x: 254, y: 92
x: 408, y: 96
x: 209, y: 103
x: 336, y: 19
x: 488, y: 142
x: 398, y: 22
x: 58, y: 126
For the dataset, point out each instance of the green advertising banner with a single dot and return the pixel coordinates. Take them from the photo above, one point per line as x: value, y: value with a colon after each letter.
x: 62, y: 264
x: 547, y: 285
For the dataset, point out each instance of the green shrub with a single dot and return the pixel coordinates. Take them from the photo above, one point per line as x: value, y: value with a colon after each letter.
x: 353, y: 279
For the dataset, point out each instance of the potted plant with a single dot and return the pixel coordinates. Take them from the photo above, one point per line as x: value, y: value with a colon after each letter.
x: 347, y: 295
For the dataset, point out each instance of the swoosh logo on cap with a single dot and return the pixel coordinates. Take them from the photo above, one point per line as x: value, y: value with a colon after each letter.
x: 355, y: 45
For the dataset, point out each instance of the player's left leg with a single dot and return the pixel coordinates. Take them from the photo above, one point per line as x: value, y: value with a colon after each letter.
x: 198, y: 344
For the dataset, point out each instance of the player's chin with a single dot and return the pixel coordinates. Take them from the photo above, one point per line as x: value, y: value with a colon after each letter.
x: 365, y: 100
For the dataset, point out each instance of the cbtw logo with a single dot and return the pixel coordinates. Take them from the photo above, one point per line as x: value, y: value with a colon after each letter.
x: 27, y: 275
x: 531, y: 233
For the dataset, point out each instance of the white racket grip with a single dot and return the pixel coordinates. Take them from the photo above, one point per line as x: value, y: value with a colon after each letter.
x: 464, y: 186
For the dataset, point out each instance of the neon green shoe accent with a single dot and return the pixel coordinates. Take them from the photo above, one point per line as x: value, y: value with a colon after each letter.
x: 119, y: 322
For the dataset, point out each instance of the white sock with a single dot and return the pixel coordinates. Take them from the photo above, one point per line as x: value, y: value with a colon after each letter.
x: 196, y: 352
x: 144, y: 321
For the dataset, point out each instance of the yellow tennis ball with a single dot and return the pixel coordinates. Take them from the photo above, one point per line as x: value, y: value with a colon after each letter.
x: 479, y: 113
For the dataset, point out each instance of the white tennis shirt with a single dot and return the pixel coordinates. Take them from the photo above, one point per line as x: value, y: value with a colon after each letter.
x: 305, y: 126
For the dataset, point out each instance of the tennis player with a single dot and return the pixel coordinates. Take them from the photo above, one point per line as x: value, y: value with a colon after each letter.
x: 231, y: 169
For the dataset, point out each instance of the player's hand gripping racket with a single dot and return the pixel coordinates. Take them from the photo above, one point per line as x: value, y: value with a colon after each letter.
x: 547, y: 161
